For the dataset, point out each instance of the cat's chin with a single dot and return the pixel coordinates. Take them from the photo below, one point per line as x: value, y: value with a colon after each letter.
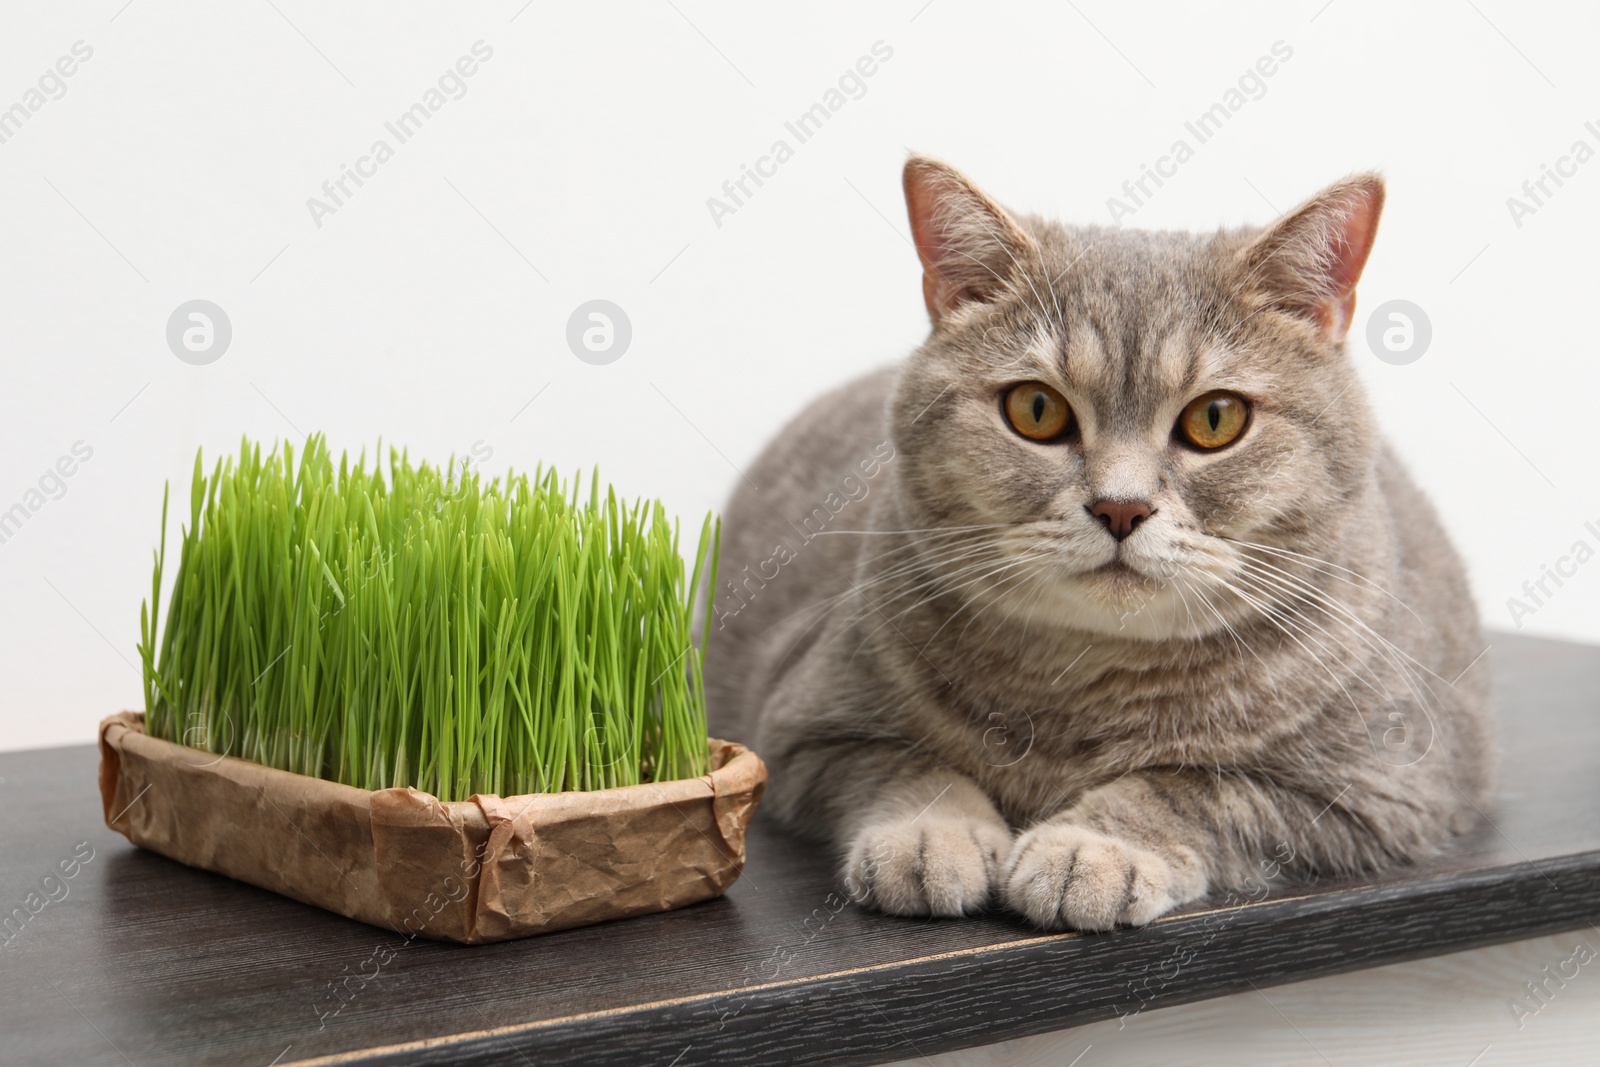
x: 1115, y: 599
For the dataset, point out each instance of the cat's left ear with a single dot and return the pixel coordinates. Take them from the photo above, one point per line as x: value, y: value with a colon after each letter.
x: 969, y: 245
x: 1309, y: 261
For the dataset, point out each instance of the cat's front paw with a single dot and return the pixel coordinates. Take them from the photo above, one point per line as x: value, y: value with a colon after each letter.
x: 936, y: 864
x: 1068, y: 876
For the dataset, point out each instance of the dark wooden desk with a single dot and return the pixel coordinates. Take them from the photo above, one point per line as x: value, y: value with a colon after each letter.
x: 144, y: 961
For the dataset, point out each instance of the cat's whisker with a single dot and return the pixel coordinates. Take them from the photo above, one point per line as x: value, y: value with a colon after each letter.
x: 913, y: 579
x: 1374, y: 682
x: 950, y: 585
x: 1305, y: 625
x: 1188, y: 613
x: 1334, y: 604
x: 1030, y: 598
x: 1227, y: 625
x: 1403, y: 662
x: 942, y: 550
x: 1024, y: 575
x: 1320, y: 563
x: 1347, y: 574
x: 947, y: 547
x: 1268, y: 607
x: 914, y: 570
x: 1015, y: 573
x: 889, y: 620
x: 1272, y: 616
x: 940, y: 557
x: 824, y: 608
x: 922, y: 530
x: 1397, y: 659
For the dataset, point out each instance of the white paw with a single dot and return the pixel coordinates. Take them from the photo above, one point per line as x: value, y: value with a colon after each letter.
x: 935, y: 864
x: 1062, y: 876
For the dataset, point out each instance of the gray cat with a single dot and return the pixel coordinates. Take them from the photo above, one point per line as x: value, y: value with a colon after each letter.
x: 1112, y: 595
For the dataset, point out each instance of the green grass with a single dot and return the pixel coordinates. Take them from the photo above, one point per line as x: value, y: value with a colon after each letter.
x: 428, y: 629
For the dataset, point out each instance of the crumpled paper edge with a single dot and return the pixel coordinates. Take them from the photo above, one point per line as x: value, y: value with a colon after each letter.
x: 486, y: 869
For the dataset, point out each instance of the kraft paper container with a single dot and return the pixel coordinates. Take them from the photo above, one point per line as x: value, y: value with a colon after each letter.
x: 486, y: 869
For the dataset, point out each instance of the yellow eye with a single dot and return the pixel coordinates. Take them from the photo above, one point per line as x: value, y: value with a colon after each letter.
x: 1214, y: 420
x: 1037, y: 411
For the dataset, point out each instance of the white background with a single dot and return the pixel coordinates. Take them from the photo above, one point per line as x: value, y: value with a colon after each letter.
x: 179, y: 162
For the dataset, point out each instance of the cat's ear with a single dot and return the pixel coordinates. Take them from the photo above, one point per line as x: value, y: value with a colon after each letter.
x: 1308, y: 262
x: 968, y: 244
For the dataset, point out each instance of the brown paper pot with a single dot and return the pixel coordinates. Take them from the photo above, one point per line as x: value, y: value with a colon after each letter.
x: 486, y: 869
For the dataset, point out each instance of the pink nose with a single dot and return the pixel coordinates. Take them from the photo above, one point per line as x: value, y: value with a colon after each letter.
x: 1120, y: 517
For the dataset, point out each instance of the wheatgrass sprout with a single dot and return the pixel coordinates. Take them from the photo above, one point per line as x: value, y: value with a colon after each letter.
x: 429, y: 630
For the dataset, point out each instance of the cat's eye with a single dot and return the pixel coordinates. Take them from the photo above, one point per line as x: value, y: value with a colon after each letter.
x: 1214, y: 420
x: 1037, y: 411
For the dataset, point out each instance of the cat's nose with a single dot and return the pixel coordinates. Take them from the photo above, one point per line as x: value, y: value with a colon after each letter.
x: 1120, y: 517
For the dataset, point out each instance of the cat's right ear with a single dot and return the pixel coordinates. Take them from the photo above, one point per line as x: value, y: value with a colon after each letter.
x: 1309, y: 261
x: 968, y: 244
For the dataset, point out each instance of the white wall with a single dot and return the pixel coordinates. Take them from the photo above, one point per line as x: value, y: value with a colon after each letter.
x: 179, y: 161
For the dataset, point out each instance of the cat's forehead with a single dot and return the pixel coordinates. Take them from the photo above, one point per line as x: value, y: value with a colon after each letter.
x: 1132, y: 321
x: 1135, y: 373
x: 1132, y: 264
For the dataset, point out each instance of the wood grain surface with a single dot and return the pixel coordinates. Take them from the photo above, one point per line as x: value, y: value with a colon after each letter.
x: 1466, y: 1009
x: 138, y: 960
